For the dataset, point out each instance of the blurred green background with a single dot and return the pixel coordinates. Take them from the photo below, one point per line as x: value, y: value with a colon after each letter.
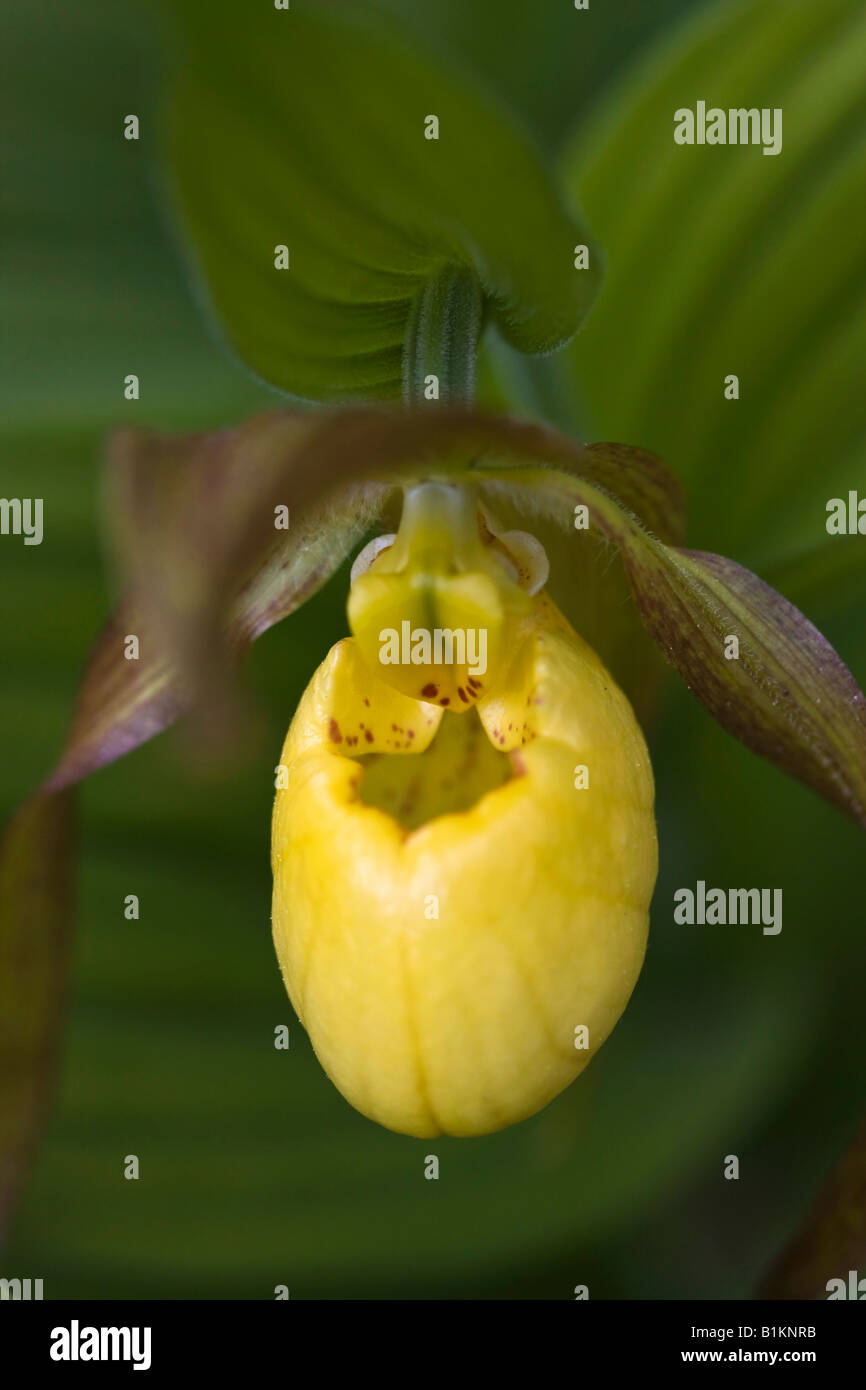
x: 254, y: 1171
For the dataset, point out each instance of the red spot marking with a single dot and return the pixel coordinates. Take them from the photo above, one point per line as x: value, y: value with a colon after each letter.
x: 366, y: 702
x: 476, y: 685
x: 411, y: 733
x: 463, y: 696
x: 334, y: 732
x: 430, y: 690
x: 445, y: 701
x: 368, y: 735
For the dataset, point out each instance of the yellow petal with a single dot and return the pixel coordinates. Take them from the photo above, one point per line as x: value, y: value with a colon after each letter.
x: 451, y: 911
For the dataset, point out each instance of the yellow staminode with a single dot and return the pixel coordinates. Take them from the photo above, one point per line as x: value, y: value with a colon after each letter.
x: 432, y: 611
x: 461, y: 898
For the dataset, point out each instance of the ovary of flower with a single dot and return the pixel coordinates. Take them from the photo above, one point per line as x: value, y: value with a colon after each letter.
x: 463, y: 1021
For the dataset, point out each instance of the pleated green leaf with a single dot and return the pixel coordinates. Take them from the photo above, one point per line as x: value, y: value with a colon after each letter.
x: 722, y: 261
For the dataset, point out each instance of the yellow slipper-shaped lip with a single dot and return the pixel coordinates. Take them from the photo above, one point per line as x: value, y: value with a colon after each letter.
x: 461, y: 901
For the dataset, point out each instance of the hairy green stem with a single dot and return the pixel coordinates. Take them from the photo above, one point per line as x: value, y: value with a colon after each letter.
x: 442, y: 339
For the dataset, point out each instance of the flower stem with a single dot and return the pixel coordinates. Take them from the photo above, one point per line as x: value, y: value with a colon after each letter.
x: 442, y: 339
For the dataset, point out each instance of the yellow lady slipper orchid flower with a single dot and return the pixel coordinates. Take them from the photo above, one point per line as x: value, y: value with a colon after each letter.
x: 461, y: 893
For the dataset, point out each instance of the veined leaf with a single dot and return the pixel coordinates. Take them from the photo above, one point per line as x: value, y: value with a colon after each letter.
x: 721, y: 261
x: 309, y: 129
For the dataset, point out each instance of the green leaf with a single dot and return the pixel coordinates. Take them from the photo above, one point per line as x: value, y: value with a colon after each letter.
x: 577, y: 51
x: 306, y: 129
x: 719, y: 260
